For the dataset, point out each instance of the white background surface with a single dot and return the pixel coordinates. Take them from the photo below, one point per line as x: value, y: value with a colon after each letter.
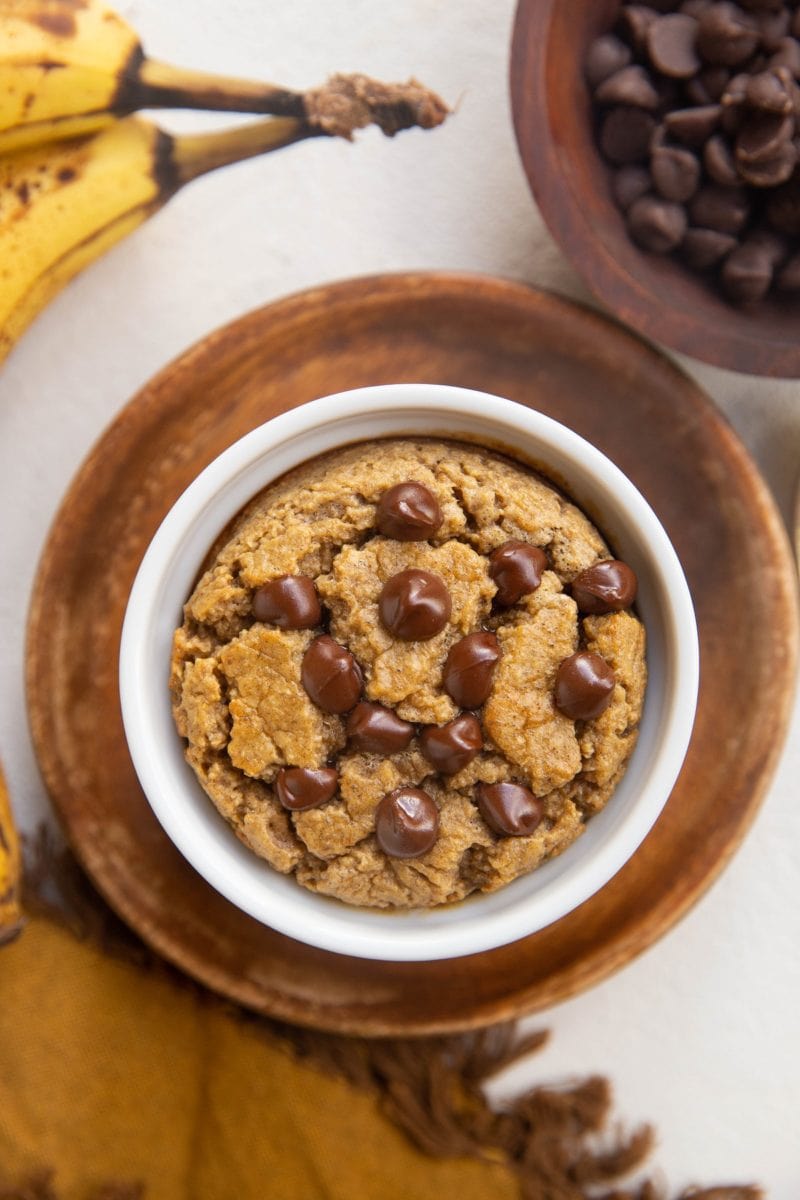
x: 701, y: 1034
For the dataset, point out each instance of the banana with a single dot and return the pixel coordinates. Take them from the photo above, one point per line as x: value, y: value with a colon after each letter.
x: 69, y: 67
x: 65, y: 203
x: 10, y: 870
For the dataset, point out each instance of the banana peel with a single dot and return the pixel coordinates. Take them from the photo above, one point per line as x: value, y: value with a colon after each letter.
x: 10, y: 870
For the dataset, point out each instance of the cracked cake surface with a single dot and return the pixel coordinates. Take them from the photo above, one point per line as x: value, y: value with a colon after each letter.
x: 240, y: 701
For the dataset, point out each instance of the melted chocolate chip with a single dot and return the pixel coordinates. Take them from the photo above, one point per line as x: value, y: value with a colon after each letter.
x: 331, y: 675
x: 406, y: 823
x: 509, y: 808
x: 414, y: 605
x: 300, y: 788
x: 290, y: 602
x: 605, y: 587
x: 408, y: 512
x: 374, y: 729
x: 516, y: 569
x: 469, y: 669
x: 584, y: 686
x: 451, y: 747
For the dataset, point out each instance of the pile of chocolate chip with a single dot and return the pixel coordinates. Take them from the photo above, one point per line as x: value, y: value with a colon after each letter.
x: 415, y: 605
x: 699, y: 114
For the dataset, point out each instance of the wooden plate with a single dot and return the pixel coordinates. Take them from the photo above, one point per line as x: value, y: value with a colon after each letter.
x: 478, y: 332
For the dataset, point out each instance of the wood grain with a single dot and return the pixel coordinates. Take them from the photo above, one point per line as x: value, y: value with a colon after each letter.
x: 653, y: 294
x: 478, y: 332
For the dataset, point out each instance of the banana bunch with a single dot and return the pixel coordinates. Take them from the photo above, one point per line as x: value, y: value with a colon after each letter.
x: 10, y: 913
x: 78, y: 172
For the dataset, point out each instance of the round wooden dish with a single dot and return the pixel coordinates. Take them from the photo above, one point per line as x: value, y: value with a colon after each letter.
x: 571, y: 184
x: 538, y: 350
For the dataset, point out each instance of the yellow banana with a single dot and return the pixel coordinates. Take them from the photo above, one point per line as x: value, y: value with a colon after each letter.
x: 66, y: 202
x: 69, y: 67
x: 10, y: 871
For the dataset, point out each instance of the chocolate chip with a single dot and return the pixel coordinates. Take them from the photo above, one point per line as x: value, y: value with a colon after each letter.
x: 374, y: 729
x: 406, y: 823
x: 783, y: 208
x: 697, y: 92
x: 748, y: 270
x: 762, y: 6
x: 719, y: 161
x: 715, y: 80
x: 787, y: 54
x: 509, y: 808
x: 634, y: 21
x: 693, y: 126
x: 771, y: 91
x: 656, y: 224
x: 773, y: 27
x: 625, y: 135
x: 631, y: 86
x: 299, y: 788
x: 606, y: 56
x: 773, y: 171
x: 676, y: 173
x: 408, y: 512
x: 671, y: 45
x: 762, y: 137
x: 331, y: 675
x: 516, y: 568
x: 290, y: 602
x: 702, y: 248
x: 629, y: 184
x: 584, y: 686
x: 788, y: 278
x: 726, y: 35
x: 414, y: 605
x: 604, y: 587
x: 451, y: 747
x: 469, y: 669
x: 694, y: 8
x: 723, y: 209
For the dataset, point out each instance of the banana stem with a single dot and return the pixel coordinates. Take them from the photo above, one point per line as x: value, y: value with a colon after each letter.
x: 160, y: 85
x: 191, y: 155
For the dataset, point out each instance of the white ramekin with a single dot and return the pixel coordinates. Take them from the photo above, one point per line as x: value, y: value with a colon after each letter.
x: 165, y: 579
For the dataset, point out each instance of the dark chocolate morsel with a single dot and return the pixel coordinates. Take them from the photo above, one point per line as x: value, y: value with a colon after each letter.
x: 714, y: 80
x: 723, y: 209
x: 772, y: 172
x: 694, y: 8
x: 773, y: 27
x: 633, y: 23
x: 374, y: 729
x: 762, y: 6
x: 671, y: 45
x: 299, y: 788
x: 625, y: 135
x: 604, y: 587
x: 631, y: 85
x: 726, y: 35
x: 584, y: 686
x: 693, y: 126
x: 509, y: 808
x: 719, y: 161
x: 606, y: 56
x: 629, y: 184
x: 748, y: 270
x: 290, y: 602
x: 408, y: 512
x: 787, y: 54
x: 788, y: 278
x: 414, y: 605
x: 451, y: 747
x: 702, y: 248
x: 676, y: 173
x: 762, y: 137
x: 469, y: 669
x: 406, y: 823
x: 783, y: 207
x: 331, y: 675
x: 771, y: 91
x: 657, y: 225
x: 516, y: 568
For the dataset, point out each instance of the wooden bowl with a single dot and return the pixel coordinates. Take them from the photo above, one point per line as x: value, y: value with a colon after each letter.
x: 571, y: 183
